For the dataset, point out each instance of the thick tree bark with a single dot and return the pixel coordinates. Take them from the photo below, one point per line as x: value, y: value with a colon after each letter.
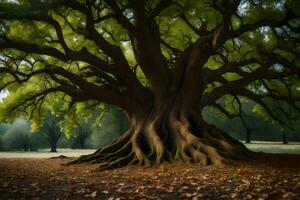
x: 165, y: 121
x: 168, y: 131
x: 165, y: 118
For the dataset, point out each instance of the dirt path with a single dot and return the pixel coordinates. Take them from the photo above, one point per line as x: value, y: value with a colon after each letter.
x: 268, y: 177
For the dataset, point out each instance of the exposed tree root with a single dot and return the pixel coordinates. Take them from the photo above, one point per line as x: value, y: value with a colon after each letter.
x: 143, y: 144
x: 115, y: 147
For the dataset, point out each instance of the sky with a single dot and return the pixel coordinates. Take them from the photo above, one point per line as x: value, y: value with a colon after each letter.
x: 3, y: 94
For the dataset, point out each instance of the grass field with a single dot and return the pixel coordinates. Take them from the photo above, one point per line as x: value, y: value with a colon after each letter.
x: 266, y: 147
x: 44, y: 153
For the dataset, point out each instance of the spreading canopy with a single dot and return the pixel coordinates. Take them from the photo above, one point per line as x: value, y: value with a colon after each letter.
x: 79, y: 47
x: 136, y: 53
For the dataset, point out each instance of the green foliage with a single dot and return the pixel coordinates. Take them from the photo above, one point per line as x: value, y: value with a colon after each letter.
x: 16, y: 96
x: 17, y: 136
x: 111, y: 127
x: 232, y: 76
x: 3, y: 128
x: 174, y: 30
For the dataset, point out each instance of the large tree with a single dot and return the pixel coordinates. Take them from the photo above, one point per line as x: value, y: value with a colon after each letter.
x: 161, y: 61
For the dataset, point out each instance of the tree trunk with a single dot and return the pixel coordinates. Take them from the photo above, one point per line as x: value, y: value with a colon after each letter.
x: 168, y: 132
x: 248, y: 136
x: 284, y: 139
x: 53, y: 137
x: 82, y: 144
x: 166, y: 122
x: 53, y: 147
x: 26, y: 142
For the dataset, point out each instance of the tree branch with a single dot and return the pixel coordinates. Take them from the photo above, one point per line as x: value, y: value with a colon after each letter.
x: 234, y: 86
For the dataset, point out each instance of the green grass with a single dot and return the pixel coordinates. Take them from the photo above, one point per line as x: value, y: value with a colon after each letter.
x: 266, y: 147
x: 293, y: 148
x: 44, y: 153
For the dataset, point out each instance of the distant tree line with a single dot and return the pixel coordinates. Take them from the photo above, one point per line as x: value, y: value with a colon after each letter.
x: 87, y: 134
x: 252, y: 127
x: 19, y: 137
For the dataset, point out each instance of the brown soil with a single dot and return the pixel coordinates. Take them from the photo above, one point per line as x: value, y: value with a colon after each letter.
x: 267, y: 177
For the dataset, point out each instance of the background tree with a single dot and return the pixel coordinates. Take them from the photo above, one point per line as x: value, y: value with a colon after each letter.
x: 82, y: 133
x: 112, y: 126
x: 17, y: 136
x: 261, y: 126
x: 162, y: 62
x: 3, y: 128
x: 248, y: 129
x: 52, y: 130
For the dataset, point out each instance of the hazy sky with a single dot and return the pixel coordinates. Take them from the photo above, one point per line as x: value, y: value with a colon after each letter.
x: 2, y: 95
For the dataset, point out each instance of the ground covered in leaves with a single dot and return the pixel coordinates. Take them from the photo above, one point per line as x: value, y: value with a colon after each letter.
x: 267, y: 177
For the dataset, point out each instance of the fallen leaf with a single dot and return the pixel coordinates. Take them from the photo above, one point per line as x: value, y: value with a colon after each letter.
x: 122, y: 184
x: 105, y: 192
x: 246, y: 182
x: 92, y: 195
x: 35, y: 184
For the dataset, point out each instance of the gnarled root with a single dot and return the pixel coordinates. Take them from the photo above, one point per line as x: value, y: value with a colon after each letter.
x: 155, y: 141
x: 191, y: 148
